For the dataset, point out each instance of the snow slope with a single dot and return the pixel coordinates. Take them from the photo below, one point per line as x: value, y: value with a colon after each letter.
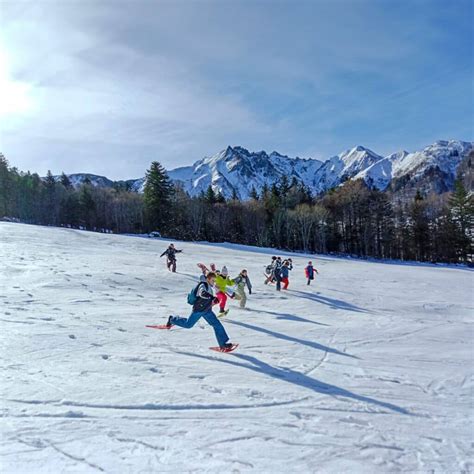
x: 369, y: 370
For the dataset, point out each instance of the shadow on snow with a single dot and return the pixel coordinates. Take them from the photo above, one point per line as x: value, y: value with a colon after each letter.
x: 285, y: 337
x: 331, y: 302
x: 297, y: 378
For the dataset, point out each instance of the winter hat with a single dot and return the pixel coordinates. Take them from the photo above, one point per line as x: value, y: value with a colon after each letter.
x: 310, y: 263
x: 224, y: 271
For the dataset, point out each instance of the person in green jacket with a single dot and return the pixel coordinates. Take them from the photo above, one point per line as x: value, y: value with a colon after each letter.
x: 222, y: 282
x: 243, y: 281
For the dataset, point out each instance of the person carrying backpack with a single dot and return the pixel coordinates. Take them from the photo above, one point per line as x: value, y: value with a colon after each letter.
x: 202, y: 299
x: 170, y: 253
x: 243, y: 281
x: 269, y: 271
x: 310, y: 271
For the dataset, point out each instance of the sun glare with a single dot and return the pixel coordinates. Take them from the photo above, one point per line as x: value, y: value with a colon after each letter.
x: 15, y: 96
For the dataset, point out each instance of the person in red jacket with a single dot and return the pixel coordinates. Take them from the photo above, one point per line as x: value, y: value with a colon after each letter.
x: 310, y: 271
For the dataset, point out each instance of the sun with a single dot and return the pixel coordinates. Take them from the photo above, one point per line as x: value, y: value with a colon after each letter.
x: 15, y: 96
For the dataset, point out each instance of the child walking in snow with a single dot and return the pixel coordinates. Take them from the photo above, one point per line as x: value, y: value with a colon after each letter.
x: 222, y: 282
x: 202, y: 308
x: 277, y: 273
x: 310, y: 271
x: 243, y: 281
x: 285, y: 273
x: 170, y: 253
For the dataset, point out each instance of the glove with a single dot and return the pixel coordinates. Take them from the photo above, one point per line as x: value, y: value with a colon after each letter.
x: 215, y: 301
x: 232, y: 296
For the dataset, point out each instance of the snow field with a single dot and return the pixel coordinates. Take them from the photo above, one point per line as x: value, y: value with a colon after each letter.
x: 367, y: 370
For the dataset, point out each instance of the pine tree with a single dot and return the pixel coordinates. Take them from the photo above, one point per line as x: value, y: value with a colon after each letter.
x: 210, y: 195
x: 419, y: 228
x: 157, y: 198
x: 5, y: 186
x: 284, y: 185
x: 253, y: 194
x: 65, y: 181
x: 461, y: 205
x: 87, y: 206
x: 220, y: 198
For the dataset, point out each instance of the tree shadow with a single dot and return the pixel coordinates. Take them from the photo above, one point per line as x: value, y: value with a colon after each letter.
x: 292, y: 317
x: 331, y: 302
x: 297, y: 378
x: 285, y: 337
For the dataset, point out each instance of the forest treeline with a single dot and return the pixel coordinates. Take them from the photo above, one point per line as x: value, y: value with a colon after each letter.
x: 351, y: 219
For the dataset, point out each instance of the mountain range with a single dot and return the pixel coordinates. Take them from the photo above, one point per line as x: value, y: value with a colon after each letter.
x: 237, y: 170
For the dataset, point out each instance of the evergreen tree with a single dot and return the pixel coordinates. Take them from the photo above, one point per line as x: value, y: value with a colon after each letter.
x: 87, y: 206
x: 210, y: 195
x: 253, y: 194
x: 5, y: 186
x: 235, y: 196
x: 284, y: 185
x: 461, y: 205
x: 157, y: 198
x: 65, y: 181
x: 419, y: 229
x: 220, y: 198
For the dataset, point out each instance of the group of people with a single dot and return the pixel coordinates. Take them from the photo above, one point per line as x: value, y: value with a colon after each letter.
x: 202, y: 297
x: 278, y: 272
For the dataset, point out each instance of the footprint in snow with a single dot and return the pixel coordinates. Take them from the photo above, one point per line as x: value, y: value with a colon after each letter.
x: 105, y: 356
x: 72, y: 336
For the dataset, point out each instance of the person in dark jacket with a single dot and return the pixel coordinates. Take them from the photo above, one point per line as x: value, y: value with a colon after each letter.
x: 285, y: 273
x: 277, y: 273
x: 170, y: 253
x: 202, y: 308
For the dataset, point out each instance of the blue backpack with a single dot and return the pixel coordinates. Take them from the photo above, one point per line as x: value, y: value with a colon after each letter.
x: 192, y: 296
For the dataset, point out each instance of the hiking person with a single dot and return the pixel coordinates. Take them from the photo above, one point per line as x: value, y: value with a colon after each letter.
x: 243, y: 281
x: 310, y: 271
x: 269, y: 271
x: 170, y: 253
x: 222, y: 282
x: 285, y: 273
x: 277, y: 273
x: 203, y: 299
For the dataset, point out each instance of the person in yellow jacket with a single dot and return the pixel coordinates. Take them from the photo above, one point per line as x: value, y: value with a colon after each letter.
x: 222, y: 282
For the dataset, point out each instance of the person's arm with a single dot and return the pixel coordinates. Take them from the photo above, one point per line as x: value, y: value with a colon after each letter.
x: 249, y: 286
x: 203, y: 293
x: 164, y: 253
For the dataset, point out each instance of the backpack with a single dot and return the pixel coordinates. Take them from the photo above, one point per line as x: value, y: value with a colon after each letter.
x: 269, y: 269
x: 192, y: 296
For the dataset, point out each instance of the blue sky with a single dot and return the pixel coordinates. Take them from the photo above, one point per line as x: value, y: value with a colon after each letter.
x: 106, y: 87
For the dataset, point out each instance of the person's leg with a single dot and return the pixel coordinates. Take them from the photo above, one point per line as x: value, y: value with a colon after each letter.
x: 174, y: 266
x: 186, y: 323
x: 242, y: 296
x: 278, y: 283
x: 286, y: 282
x: 309, y: 281
x: 222, y: 297
x: 219, y: 330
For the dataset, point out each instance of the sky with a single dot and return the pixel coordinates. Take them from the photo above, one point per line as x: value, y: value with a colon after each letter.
x: 108, y: 86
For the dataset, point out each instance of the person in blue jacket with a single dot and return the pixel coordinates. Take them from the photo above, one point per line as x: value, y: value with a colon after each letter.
x: 202, y: 308
x: 285, y: 273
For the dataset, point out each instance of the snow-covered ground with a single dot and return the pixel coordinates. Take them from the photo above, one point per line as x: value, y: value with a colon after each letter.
x: 369, y: 370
